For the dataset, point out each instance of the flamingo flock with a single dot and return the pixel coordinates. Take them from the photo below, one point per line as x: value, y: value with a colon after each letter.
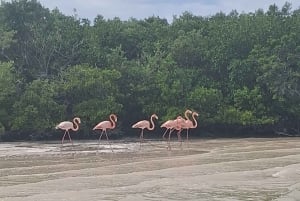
x: 179, y: 124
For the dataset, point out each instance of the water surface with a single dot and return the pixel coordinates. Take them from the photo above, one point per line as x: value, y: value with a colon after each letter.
x: 221, y: 169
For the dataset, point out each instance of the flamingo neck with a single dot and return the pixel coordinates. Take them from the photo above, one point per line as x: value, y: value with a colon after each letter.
x: 194, y: 120
x: 152, y: 124
x: 76, y: 125
x: 113, y: 121
x: 186, y: 115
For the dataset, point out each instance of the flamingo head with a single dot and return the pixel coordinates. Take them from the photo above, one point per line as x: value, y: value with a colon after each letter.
x: 77, y: 119
x: 188, y: 111
x: 195, y: 113
x: 154, y: 116
x: 114, y: 116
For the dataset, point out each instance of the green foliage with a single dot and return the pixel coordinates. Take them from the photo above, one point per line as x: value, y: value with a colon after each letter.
x: 89, y: 93
x: 231, y: 115
x: 37, y: 109
x: 189, y: 50
x: 6, y: 39
x: 207, y: 102
x: 8, y: 92
x: 242, y: 73
x: 246, y: 99
x: 250, y: 103
x: 234, y: 116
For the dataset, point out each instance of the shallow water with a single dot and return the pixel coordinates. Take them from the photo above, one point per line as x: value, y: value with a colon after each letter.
x: 222, y: 169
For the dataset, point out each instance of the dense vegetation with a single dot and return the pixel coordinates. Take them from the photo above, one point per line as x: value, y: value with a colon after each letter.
x: 241, y: 72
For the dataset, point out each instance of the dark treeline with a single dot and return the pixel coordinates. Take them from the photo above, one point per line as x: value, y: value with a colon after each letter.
x: 241, y: 72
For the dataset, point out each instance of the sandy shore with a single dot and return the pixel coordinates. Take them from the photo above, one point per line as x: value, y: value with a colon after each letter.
x: 222, y: 169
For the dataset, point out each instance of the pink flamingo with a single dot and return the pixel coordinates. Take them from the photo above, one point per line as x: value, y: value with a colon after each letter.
x: 187, y: 124
x: 67, y: 125
x: 145, y: 124
x: 169, y: 125
x: 105, y: 125
x: 172, y: 125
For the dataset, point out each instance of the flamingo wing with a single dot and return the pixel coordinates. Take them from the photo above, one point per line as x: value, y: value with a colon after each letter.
x: 168, y: 124
x: 103, y: 125
x: 142, y: 124
x: 65, y: 125
x: 187, y: 124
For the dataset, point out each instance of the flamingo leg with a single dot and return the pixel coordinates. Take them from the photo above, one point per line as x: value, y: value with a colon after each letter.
x: 179, y: 137
x: 62, y: 139
x: 70, y: 137
x: 100, y: 139
x: 108, y: 141
x: 187, y: 136
x: 169, y: 146
x: 100, y: 136
x: 141, y: 137
x: 165, y: 133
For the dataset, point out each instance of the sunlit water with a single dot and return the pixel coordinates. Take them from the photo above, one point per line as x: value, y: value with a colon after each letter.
x: 224, y: 169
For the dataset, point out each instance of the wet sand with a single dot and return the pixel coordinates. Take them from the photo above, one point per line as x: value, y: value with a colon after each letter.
x: 221, y: 169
